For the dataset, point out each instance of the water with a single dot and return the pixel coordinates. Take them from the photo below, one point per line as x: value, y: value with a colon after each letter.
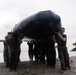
x: 24, y: 56
x: 72, y: 53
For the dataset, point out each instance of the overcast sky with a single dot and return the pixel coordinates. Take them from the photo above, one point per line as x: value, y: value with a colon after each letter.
x: 13, y: 11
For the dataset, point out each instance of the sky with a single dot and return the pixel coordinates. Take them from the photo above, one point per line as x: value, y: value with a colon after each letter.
x: 13, y: 11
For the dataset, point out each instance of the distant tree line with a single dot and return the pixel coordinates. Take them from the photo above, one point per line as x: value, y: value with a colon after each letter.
x: 74, y: 44
x: 74, y: 49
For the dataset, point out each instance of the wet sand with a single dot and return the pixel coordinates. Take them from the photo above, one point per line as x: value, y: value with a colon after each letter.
x: 37, y: 68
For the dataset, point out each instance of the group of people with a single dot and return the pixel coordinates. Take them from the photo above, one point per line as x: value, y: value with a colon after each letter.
x: 45, y: 50
x: 11, y: 51
x: 42, y: 50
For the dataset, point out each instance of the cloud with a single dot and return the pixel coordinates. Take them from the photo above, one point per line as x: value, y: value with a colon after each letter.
x: 13, y: 11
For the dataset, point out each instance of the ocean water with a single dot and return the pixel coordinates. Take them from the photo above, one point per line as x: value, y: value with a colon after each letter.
x: 24, y: 52
x: 24, y: 56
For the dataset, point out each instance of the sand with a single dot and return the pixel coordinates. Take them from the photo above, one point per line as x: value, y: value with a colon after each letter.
x: 37, y: 68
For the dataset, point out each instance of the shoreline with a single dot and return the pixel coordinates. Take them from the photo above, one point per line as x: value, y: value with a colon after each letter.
x: 24, y: 56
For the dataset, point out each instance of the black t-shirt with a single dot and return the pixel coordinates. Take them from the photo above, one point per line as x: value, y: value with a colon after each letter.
x: 13, y: 43
x: 62, y: 42
x: 5, y: 44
